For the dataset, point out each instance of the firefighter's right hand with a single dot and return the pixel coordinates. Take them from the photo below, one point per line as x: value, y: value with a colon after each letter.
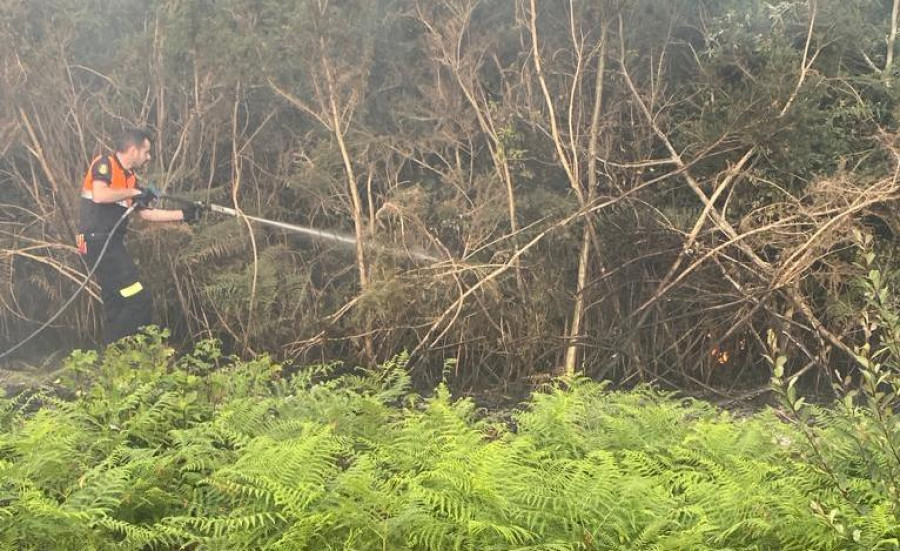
x: 146, y: 197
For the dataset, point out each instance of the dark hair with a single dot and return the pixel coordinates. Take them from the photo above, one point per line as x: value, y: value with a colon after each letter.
x: 131, y: 137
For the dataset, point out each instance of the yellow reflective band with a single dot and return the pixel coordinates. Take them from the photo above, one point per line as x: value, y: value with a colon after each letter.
x: 132, y: 289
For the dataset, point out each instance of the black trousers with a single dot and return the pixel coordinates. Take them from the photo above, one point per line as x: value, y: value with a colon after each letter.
x: 127, y: 306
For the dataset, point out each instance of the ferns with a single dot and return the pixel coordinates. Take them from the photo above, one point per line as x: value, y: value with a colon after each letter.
x: 179, y: 455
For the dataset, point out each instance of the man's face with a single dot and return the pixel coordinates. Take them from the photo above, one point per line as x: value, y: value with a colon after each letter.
x: 140, y: 156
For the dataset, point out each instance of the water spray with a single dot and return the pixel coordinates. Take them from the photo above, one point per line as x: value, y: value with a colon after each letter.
x: 325, y: 235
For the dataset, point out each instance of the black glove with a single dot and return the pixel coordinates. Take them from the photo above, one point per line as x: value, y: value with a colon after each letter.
x: 146, y: 197
x: 192, y: 212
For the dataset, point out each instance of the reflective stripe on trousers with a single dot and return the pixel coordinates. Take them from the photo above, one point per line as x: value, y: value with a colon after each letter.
x: 127, y: 306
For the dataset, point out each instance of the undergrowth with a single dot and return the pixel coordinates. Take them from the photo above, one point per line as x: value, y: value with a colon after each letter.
x: 149, y: 451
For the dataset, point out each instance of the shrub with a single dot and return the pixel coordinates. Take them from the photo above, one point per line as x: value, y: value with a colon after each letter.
x: 206, y: 452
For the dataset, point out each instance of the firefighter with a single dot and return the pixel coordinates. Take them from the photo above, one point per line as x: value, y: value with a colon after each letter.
x: 109, y: 189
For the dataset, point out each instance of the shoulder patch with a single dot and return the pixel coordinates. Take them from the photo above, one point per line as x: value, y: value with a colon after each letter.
x: 103, y: 168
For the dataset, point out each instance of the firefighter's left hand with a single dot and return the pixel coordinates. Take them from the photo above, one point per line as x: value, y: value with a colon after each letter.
x: 192, y: 213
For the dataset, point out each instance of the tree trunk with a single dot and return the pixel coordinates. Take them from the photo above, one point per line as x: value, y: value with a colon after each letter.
x: 586, y: 240
x: 892, y: 39
x: 357, y: 208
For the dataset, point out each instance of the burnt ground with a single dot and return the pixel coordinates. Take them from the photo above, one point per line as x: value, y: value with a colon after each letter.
x: 20, y: 375
x: 43, y: 373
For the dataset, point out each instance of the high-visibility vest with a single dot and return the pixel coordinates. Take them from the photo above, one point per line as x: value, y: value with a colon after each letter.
x: 119, y: 178
x: 98, y: 219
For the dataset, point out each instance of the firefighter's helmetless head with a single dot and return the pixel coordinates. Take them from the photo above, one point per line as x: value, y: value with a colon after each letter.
x: 133, y: 148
